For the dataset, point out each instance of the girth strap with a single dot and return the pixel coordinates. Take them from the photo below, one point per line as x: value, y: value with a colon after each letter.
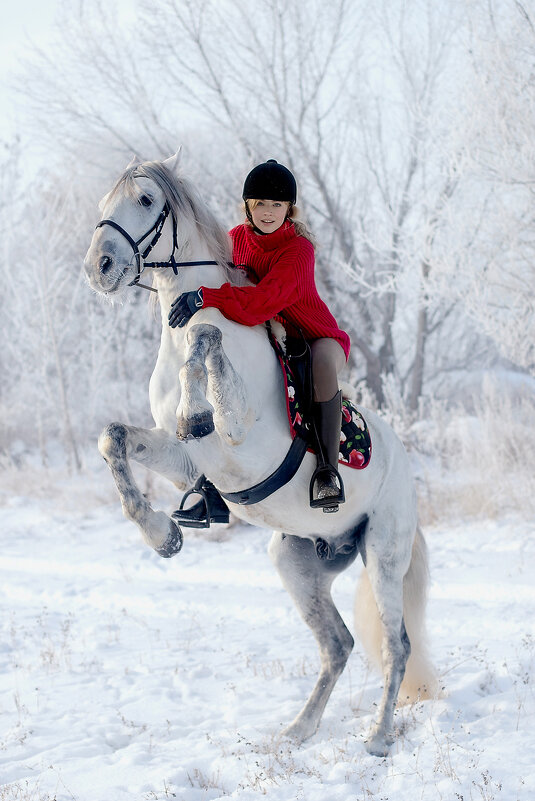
x: 284, y: 473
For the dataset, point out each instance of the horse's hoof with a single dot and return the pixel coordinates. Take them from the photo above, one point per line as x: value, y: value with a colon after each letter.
x: 297, y: 733
x: 196, y: 427
x: 378, y: 746
x: 173, y: 543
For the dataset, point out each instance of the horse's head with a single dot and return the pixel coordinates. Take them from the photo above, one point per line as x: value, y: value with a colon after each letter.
x: 134, y: 214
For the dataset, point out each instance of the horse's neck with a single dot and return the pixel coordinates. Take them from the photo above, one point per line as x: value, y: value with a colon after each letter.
x: 169, y: 286
x: 191, y: 278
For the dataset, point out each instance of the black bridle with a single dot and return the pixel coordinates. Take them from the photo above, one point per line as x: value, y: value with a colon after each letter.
x: 141, y: 256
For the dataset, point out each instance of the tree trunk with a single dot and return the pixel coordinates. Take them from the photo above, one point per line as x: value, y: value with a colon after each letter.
x: 417, y: 373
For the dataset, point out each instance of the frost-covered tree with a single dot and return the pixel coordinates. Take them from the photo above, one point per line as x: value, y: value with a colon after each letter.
x: 494, y: 280
x: 360, y: 99
x: 66, y: 357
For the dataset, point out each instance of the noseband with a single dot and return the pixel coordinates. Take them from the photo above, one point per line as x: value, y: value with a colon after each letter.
x: 141, y: 256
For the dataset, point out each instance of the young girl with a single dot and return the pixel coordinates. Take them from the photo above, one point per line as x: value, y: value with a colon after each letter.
x: 279, y: 255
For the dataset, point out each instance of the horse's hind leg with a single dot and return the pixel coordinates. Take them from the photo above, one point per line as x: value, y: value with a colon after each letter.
x: 386, y: 579
x: 308, y: 579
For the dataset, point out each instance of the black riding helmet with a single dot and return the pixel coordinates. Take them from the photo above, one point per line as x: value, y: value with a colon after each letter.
x: 270, y: 181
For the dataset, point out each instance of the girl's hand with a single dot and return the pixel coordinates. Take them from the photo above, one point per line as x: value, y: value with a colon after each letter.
x: 184, y: 307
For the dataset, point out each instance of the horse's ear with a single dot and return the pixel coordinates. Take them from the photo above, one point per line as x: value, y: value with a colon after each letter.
x: 133, y: 161
x: 173, y: 162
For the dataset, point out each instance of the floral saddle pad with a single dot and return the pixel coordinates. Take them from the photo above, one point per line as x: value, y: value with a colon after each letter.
x: 355, y: 440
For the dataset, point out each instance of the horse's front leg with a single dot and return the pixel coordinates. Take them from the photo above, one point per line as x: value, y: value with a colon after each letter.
x: 207, y: 369
x: 159, y: 452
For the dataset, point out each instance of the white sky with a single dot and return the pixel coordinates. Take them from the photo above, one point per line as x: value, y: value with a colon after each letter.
x: 21, y: 21
x: 19, y: 18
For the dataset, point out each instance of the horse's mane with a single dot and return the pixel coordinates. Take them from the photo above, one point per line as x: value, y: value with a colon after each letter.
x: 186, y: 205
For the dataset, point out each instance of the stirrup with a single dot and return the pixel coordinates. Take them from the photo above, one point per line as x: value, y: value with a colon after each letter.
x: 330, y: 503
x: 210, y: 509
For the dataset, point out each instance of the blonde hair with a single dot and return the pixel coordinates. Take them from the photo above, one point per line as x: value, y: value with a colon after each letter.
x: 301, y: 228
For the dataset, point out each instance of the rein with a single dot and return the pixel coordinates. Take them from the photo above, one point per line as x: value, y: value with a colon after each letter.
x: 141, y: 256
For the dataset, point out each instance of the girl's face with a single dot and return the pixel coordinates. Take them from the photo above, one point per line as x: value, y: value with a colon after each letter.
x: 268, y: 215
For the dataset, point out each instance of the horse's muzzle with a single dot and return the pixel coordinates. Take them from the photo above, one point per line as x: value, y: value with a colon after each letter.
x: 105, y: 272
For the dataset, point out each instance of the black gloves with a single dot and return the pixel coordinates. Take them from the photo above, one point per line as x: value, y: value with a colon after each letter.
x: 184, y: 307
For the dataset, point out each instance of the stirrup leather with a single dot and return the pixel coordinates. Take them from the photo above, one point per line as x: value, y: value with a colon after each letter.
x: 211, y: 508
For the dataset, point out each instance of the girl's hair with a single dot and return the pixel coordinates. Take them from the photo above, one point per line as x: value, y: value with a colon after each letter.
x: 301, y: 228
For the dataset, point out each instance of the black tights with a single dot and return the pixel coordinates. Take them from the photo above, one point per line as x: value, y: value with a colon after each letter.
x: 328, y: 359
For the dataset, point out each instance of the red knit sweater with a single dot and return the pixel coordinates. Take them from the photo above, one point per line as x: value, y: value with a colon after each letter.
x: 283, y: 265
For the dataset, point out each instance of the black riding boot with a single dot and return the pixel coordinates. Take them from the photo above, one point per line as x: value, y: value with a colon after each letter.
x: 326, y: 486
x: 210, y: 509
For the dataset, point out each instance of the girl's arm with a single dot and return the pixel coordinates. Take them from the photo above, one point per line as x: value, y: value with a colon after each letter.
x: 281, y: 287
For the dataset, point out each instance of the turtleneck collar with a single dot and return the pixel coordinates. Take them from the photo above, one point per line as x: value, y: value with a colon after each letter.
x: 265, y: 242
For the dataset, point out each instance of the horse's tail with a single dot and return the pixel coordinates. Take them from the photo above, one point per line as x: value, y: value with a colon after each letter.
x: 420, y: 679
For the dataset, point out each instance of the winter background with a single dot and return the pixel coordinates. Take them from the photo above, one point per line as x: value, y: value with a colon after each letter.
x: 410, y: 127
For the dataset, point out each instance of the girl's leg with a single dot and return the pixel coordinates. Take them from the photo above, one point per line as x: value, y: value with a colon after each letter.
x: 328, y: 358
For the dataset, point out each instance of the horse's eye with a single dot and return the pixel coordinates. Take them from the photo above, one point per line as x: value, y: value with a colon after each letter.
x: 145, y: 200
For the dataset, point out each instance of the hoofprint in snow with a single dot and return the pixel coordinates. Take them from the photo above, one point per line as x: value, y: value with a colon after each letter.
x: 126, y: 677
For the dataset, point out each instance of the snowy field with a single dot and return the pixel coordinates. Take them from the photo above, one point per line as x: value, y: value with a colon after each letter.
x: 126, y: 677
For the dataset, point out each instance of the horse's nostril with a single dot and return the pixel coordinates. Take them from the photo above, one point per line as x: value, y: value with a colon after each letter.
x: 105, y: 264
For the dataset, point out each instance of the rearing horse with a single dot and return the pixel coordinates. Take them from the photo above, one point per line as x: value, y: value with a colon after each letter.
x: 217, y: 399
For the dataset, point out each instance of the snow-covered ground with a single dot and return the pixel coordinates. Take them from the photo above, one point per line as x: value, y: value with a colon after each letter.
x: 127, y: 677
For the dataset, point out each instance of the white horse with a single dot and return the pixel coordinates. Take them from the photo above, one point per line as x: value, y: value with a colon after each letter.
x: 216, y: 396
